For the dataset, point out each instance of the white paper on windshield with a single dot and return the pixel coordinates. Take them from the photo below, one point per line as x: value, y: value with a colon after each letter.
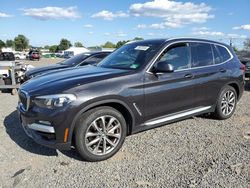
x: 143, y: 48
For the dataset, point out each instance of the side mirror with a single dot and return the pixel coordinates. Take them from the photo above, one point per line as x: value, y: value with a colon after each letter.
x: 163, y: 67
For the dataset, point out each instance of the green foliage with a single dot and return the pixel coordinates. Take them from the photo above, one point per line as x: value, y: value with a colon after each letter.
x: 138, y: 38
x: 121, y: 43
x: 109, y: 45
x: 9, y: 43
x: 53, y: 48
x: 64, y: 44
x: 2, y: 44
x: 78, y: 44
x: 21, y: 43
x: 46, y: 47
x: 235, y: 49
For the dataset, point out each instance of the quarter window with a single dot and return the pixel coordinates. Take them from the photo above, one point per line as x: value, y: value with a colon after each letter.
x: 223, y: 53
x: 178, y: 56
x: 201, y: 54
x: 217, y: 57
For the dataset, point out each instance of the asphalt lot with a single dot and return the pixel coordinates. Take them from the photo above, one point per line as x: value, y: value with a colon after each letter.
x: 197, y: 152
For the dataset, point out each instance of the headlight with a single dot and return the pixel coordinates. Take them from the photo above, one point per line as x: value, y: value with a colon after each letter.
x: 54, y: 101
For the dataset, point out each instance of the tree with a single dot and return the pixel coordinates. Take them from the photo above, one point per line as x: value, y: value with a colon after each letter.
x: 9, y: 43
x: 138, y: 38
x: 78, y: 44
x: 46, y: 47
x: 64, y: 44
x: 53, y: 48
x: 21, y: 43
x: 2, y: 44
x: 247, y: 43
x: 121, y: 43
x: 109, y: 45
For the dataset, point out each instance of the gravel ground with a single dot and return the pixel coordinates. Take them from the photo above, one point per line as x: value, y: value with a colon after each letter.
x: 197, y: 152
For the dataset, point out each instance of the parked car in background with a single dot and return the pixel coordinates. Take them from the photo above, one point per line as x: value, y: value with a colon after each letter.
x: 78, y: 60
x: 20, y: 56
x: 142, y: 85
x: 34, y: 55
x: 246, y: 62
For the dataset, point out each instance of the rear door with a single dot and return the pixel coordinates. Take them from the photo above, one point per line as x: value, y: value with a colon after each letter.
x: 207, y: 72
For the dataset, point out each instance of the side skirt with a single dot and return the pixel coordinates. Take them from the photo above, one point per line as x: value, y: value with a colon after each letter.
x: 163, y: 120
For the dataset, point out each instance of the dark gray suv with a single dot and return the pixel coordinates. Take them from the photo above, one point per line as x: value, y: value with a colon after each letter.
x: 142, y: 85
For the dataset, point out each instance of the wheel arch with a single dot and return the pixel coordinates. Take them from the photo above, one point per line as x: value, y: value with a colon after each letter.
x: 119, y: 105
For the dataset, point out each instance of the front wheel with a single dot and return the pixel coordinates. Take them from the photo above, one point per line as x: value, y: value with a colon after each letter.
x: 226, y: 103
x: 100, y: 133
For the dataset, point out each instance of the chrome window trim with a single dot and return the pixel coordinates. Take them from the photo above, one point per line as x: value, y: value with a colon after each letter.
x: 186, y: 41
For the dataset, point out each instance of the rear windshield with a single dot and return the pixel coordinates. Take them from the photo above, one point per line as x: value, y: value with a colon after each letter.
x: 7, y: 56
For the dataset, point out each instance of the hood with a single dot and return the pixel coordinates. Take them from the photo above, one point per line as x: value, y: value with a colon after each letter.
x: 42, y: 70
x: 60, y: 81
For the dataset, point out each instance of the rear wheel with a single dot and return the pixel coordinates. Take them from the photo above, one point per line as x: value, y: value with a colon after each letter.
x: 100, y: 133
x: 226, y: 103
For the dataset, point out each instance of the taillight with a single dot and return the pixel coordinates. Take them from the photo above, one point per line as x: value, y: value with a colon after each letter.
x: 243, y: 69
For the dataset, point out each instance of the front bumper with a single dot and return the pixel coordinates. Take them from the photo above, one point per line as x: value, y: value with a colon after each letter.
x: 49, y: 135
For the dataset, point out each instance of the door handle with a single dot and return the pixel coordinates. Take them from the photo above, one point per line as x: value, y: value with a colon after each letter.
x: 188, y: 76
x: 223, y: 70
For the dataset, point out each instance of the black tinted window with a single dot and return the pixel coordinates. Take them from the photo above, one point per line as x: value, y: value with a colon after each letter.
x: 94, y: 59
x: 75, y: 60
x: 217, y: 57
x: 223, y: 53
x: 7, y: 56
x: 201, y: 54
x: 178, y: 56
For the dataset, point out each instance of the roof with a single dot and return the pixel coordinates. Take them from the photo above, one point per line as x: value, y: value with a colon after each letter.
x: 166, y: 40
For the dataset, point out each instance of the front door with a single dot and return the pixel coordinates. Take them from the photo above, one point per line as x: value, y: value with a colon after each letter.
x: 168, y: 93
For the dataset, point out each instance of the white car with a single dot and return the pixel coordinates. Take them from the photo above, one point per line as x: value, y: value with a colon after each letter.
x: 20, y: 56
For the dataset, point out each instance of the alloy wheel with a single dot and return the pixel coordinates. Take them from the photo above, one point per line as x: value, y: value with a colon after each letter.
x: 103, y: 135
x: 228, y: 103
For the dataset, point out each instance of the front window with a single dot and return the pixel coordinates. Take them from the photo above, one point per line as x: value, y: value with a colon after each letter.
x: 131, y: 56
x: 177, y: 55
x: 73, y: 61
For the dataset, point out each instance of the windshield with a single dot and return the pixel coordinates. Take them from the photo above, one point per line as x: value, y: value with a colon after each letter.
x: 131, y: 56
x: 73, y: 61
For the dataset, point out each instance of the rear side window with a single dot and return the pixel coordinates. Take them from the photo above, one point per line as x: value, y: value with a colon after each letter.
x: 217, y: 57
x: 223, y: 53
x: 201, y: 54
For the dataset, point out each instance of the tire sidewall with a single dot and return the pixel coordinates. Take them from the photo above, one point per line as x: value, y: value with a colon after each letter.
x: 82, y: 126
x: 218, y: 110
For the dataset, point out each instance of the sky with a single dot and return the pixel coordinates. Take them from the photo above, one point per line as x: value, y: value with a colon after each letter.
x: 93, y: 22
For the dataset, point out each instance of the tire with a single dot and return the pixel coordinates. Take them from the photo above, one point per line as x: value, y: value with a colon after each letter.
x: 95, y: 143
x: 13, y: 91
x: 223, y: 103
